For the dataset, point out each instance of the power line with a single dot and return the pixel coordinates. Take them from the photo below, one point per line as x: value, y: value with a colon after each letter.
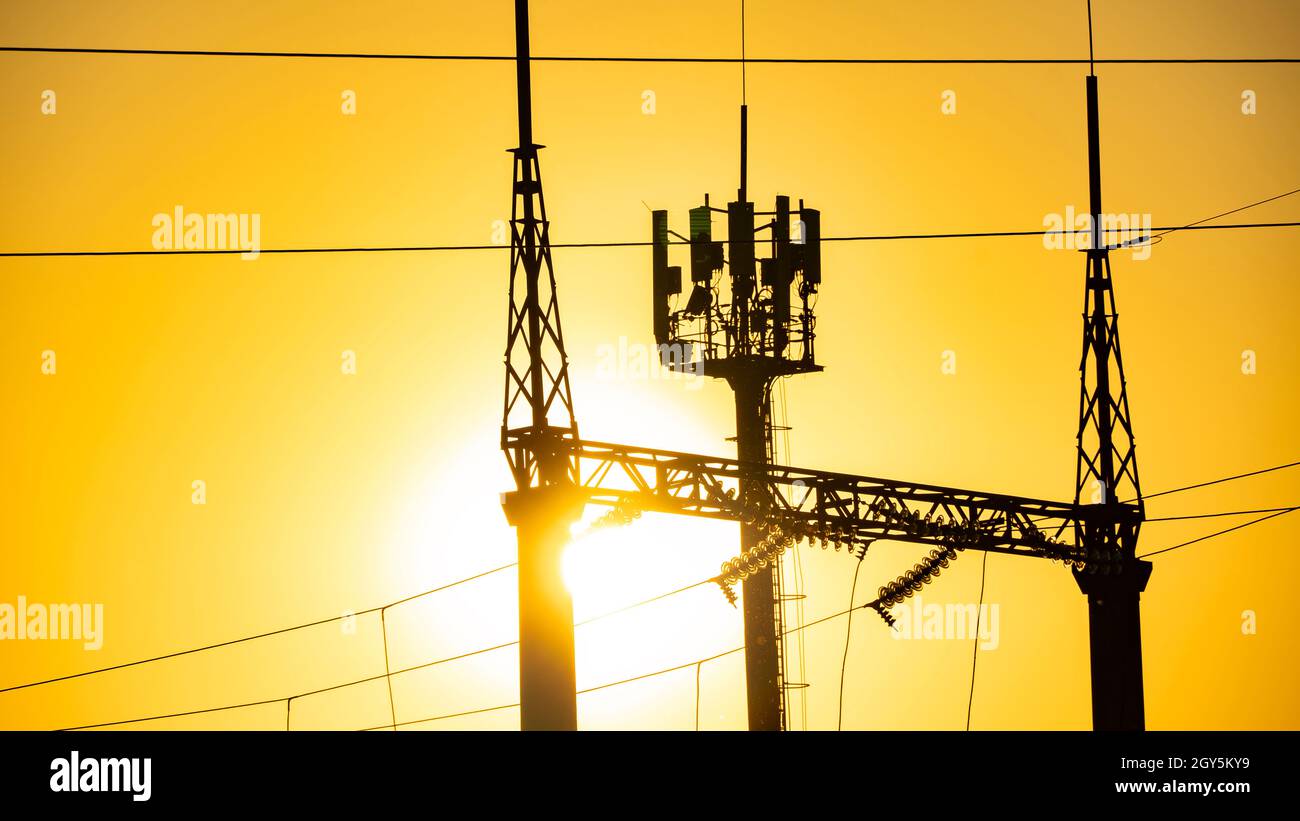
x: 267, y: 634
x: 1205, y: 484
x: 661, y: 596
x: 386, y: 675
x: 664, y: 671
x: 441, y: 717
x: 980, y: 234
x: 1219, y: 533
x: 716, y: 656
x: 319, y: 622
x: 179, y: 715
x: 1217, y: 481
x: 605, y: 686
x: 848, y: 611
x: 380, y: 609
x: 631, y: 244
x: 422, y: 666
x: 576, y: 58
x: 1178, y: 490
x: 697, y: 663
x: 1225, y: 513
x: 1226, y: 213
x: 641, y: 677
x: 983, y: 579
x: 1039, y: 518
x: 288, y: 699
x: 295, y: 696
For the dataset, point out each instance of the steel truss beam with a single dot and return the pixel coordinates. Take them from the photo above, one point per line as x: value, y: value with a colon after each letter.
x: 857, y: 509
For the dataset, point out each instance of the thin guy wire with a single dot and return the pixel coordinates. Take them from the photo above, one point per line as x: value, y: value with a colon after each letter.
x: 848, y: 635
x: 975, y: 653
x: 698, y: 665
x: 392, y: 708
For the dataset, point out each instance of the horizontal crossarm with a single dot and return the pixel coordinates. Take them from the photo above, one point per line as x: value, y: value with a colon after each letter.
x: 844, y: 507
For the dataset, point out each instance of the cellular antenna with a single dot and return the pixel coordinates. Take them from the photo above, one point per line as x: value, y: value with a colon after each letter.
x: 748, y: 319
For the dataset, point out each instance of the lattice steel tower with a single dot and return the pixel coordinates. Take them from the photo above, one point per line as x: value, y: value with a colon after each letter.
x: 1106, y: 477
x: 544, y: 503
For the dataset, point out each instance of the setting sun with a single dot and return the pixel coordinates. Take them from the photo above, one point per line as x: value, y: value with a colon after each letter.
x: 312, y: 444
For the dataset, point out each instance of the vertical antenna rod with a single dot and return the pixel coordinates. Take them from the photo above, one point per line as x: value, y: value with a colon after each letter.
x: 743, y: 193
x: 523, y: 75
x: 1091, y: 68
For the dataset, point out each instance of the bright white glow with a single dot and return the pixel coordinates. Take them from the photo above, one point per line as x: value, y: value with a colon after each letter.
x: 615, y: 566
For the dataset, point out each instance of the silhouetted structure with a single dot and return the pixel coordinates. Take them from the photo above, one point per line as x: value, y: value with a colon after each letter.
x: 763, y: 332
x: 750, y: 341
x: 1107, y: 467
x: 544, y: 504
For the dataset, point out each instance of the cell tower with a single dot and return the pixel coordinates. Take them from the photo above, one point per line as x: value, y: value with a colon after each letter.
x: 750, y: 327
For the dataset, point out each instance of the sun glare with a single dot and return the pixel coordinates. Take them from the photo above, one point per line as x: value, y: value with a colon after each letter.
x: 614, y: 568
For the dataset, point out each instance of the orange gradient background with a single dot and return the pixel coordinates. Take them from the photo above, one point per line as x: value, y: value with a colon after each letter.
x: 329, y: 493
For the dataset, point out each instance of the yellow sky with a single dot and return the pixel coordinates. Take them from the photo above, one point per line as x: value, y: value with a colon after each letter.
x: 329, y: 493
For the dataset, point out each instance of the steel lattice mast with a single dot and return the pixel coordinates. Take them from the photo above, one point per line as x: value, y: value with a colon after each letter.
x: 543, y: 505
x: 1107, y: 475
